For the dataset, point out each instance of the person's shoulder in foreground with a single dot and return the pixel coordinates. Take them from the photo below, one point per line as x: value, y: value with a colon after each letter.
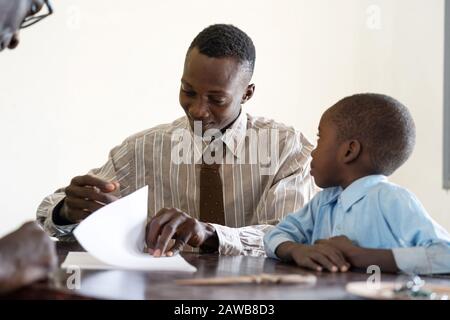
x: 26, y: 255
x: 360, y: 218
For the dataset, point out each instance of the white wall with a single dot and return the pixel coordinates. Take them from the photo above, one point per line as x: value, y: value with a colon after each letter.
x: 98, y: 71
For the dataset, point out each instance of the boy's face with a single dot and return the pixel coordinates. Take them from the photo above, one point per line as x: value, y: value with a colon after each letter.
x: 325, y: 166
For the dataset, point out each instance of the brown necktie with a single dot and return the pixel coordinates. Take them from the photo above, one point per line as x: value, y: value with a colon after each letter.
x: 211, y: 194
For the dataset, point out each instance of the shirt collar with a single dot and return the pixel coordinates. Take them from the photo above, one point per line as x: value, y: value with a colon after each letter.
x: 358, y: 190
x: 234, y: 136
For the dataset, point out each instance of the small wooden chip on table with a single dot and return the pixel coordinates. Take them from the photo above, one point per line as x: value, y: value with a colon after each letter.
x: 262, y: 278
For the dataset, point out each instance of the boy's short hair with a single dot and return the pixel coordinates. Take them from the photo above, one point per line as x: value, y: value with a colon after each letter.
x: 382, y: 124
x: 226, y: 41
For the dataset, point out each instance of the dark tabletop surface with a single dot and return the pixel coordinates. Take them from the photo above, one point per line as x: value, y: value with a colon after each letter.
x: 121, y: 284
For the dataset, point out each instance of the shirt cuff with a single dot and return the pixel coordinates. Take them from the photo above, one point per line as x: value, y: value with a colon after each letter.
x: 56, y: 217
x: 412, y: 260
x: 229, y: 240
x: 62, y: 232
x: 272, y: 245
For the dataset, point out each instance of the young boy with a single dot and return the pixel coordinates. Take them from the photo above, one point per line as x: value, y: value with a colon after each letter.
x: 360, y: 218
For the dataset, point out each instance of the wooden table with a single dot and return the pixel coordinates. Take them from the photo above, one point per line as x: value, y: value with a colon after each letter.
x: 119, y: 284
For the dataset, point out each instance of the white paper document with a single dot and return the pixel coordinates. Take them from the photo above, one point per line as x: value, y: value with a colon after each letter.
x: 115, y: 234
x: 85, y: 261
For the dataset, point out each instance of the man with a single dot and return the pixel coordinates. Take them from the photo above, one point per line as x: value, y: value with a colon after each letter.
x: 224, y: 206
x: 27, y: 254
x: 12, y: 14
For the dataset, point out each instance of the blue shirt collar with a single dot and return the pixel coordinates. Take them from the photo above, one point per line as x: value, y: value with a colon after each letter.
x: 354, y: 192
x: 358, y: 189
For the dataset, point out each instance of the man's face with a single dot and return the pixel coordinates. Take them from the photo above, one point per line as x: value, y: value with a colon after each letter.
x: 212, y: 90
x: 325, y: 166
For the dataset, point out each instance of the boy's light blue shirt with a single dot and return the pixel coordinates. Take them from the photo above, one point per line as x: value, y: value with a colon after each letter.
x: 373, y: 213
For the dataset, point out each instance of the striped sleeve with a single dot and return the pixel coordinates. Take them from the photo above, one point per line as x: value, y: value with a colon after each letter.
x: 108, y: 172
x: 291, y: 188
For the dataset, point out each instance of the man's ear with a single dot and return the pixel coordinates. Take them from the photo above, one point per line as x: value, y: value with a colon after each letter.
x: 353, y: 150
x: 248, y: 93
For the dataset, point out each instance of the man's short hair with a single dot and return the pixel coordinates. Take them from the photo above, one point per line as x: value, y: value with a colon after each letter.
x: 226, y: 41
x: 382, y: 124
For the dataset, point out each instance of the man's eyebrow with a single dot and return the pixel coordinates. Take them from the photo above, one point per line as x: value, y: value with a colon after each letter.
x: 214, y: 92
x: 218, y: 92
x: 185, y: 83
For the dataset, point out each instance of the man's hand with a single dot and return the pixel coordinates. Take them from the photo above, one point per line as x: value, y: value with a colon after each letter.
x: 171, y: 223
x: 26, y: 255
x: 85, y: 195
x: 315, y: 257
x: 12, y: 14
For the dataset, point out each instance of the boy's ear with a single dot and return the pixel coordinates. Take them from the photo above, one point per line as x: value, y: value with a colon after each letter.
x: 352, y: 151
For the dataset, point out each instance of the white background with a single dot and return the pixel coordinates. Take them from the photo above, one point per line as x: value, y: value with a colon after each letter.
x: 97, y: 71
